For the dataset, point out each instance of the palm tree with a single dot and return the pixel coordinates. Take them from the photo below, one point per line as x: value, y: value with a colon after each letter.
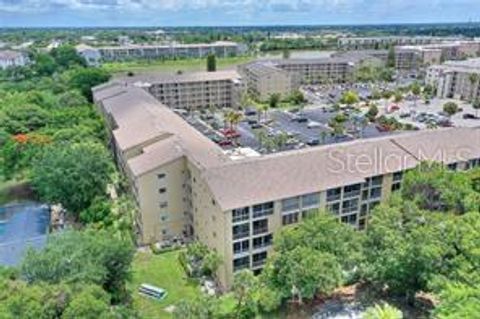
x: 473, y: 78
x: 476, y: 106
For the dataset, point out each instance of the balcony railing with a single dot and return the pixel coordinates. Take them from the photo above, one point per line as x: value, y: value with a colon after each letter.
x: 241, y: 235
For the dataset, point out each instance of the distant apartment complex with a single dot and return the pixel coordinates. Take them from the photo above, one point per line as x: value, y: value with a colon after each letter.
x: 264, y: 78
x: 384, y: 42
x: 456, y: 79
x: 10, y: 58
x: 414, y: 57
x: 130, y: 52
x: 186, y: 186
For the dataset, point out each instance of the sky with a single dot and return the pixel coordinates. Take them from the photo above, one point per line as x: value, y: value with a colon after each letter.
x: 76, y: 13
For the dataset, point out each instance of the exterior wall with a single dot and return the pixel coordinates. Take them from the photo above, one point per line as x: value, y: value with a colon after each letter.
x: 319, y: 72
x: 293, y: 210
x: 198, y: 94
x: 454, y: 84
x: 13, y: 61
x: 160, y: 198
x: 385, y: 42
x: 174, y: 51
x: 262, y: 85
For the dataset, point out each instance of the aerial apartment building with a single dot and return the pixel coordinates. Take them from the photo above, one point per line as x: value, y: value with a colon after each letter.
x: 414, y: 57
x: 186, y: 186
x: 456, y: 79
x: 191, y: 91
x: 263, y: 78
x: 384, y: 42
x: 170, y: 51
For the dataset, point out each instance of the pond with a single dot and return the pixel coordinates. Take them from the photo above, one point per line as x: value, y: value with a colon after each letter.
x: 22, y: 225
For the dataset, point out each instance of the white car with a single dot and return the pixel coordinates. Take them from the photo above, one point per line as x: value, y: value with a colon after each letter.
x: 313, y: 124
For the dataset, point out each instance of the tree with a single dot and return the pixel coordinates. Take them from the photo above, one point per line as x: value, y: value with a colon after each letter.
x: 450, y: 108
x: 91, y: 303
x: 372, y: 112
x: 66, y: 57
x: 90, y: 256
x: 433, y: 187
x: 458, y: 301
x: 304, y: 272
x: 286, y: 54
x: 211, y: 63
x: 349, y: 98
x: 384, y: 311
x: 84, y: 79
x: 476, y: 106
x: 72, y: 174
x: 274, y: 100
x: 297, y: 97
x: 407, y: 251
x: 244, y: 286
x: 200, y: 307
x: 416, y: 90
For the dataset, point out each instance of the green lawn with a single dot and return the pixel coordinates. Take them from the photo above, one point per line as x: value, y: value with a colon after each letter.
x: 164, y: 271
x: 121, y: 68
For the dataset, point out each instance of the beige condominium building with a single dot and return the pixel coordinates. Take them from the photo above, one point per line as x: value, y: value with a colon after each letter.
x: 383, y: 42
x: 263, y: 78
x: 456, y: 79
x: 188, y: 187
x: 169, y: 51
x: 414, y: 57
x: 191, y: 91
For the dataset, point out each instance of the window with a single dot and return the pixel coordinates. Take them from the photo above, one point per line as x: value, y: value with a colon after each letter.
x: 352, y: 190
x: 376, y: 192
x: 334, y: 208
x: 311, y: 200
x: 241, y: 231
x: 162, y: 190
x: 240, y: 214
x: 350, y: 206
x: 260, y: 226
x: 241, y: 247
x: 376, y: 180
x: 365, y: 194
x: 161, y: 176
x: 261, y: 210
x: 397, y: 177
x: 362, y: 223
x: 290, y: 204
x: 163, y: 205
x: 333, y: 194
x: 364, y: 210
x: 259, y: 259
x: 290, y: 219
x: 263, y: 241
x: 396, y: 187
x: 452, y: 166
x: 241, y: 263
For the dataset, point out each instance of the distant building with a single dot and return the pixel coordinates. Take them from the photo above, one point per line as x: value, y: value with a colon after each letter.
x: 10, y: 58
x: 384, y: 42
x: 264, y: 78
x: 199, y: 50
x: 456, y: 79
x: 90, y: 54
x: 414, y: 57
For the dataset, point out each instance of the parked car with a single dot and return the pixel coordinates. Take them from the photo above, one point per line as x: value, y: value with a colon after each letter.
x: 313, y: 142
x: 250, y: 112
x: 313, y: 124
x: 469, y: 116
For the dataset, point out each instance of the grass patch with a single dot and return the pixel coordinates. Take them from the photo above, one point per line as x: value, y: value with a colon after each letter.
x: 164, y: 270
x: 186, y: 65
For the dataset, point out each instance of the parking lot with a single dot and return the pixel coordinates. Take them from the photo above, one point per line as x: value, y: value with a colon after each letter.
x: 281, y: 130
x: 425, y: 115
